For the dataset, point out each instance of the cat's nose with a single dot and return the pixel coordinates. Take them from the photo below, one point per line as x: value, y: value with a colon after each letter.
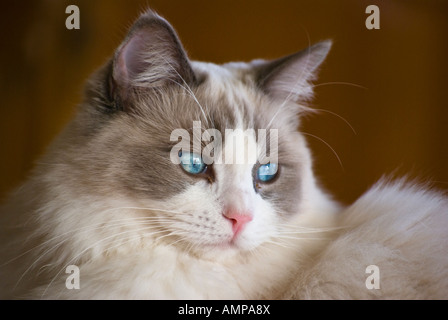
x: 238, y: 220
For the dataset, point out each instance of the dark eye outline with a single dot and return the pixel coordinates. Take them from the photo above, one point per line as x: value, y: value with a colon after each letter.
x: 273, y: 176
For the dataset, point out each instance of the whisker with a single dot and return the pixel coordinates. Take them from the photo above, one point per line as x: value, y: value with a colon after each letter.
x: 88, y: 248
x: 326, y: 143
x: 42, y: 255
x: 337, y: 115
x: 177, y: 233
x: 121, y: 242
x: 300, y: 238
x: 281, y: 244
x: 340, y: 83
x: 293, y: 228
x: 121, y: 222
x: 145, y: 208
x: 187, y: 88
x: 85, y: 228
x: 190, y: 92
x: 300, y: 232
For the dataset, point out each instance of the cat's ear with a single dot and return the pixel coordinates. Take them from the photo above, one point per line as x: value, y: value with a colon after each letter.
x: 289, y: 77
x: 151, y: 56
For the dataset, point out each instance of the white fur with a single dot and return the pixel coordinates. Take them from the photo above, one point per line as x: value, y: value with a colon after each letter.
x: 400, y: 228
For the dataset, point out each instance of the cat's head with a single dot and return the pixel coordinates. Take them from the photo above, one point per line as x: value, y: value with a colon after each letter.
x: 151, y: 138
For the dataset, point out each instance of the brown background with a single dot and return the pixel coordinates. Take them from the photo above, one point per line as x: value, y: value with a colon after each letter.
x: 397, y: 103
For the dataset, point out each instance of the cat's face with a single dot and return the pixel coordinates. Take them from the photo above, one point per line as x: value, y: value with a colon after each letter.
x: 146, y: 125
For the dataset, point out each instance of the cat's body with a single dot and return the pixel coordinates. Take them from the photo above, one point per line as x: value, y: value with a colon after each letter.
x: 109, y: 199
x: 400, y: 228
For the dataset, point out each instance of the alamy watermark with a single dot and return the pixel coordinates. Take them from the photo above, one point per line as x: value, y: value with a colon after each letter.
x: 239, y: 147
x: 73, y: 20
x: 373, y: 280
x: 373, y: 20
x: 73, y: 280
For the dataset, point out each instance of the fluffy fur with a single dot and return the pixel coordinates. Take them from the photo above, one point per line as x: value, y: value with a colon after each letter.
x: 399, y: 227
x: 107, y: 198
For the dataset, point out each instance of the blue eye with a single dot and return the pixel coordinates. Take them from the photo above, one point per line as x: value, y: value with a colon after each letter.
x: 267, y: 172
x: 192, y: 162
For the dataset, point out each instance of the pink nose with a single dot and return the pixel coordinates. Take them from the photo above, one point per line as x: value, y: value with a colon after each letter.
x: 238, y: 219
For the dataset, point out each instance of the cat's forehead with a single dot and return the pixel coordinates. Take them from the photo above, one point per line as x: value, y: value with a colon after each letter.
x: 230, y: 93
x: 225, y: 76
x: 225, y: 97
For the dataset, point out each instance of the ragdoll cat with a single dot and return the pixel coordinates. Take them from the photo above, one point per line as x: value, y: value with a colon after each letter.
x: 126, y: 203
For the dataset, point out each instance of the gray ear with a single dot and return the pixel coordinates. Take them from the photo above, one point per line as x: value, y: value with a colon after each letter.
x: 151, y: 56
x: 289, y: 77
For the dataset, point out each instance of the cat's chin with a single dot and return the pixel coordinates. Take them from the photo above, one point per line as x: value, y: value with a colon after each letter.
x: 226, y: 249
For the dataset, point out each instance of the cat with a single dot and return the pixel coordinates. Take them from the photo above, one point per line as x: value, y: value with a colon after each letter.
x: 120, y: 207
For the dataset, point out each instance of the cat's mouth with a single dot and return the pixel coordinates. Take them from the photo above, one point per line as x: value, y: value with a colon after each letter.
x: 236, y: 241
x: 231, y: 246
x: 233, y: 241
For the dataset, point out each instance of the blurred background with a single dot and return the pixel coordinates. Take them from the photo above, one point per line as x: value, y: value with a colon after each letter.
x: 382, y: 92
